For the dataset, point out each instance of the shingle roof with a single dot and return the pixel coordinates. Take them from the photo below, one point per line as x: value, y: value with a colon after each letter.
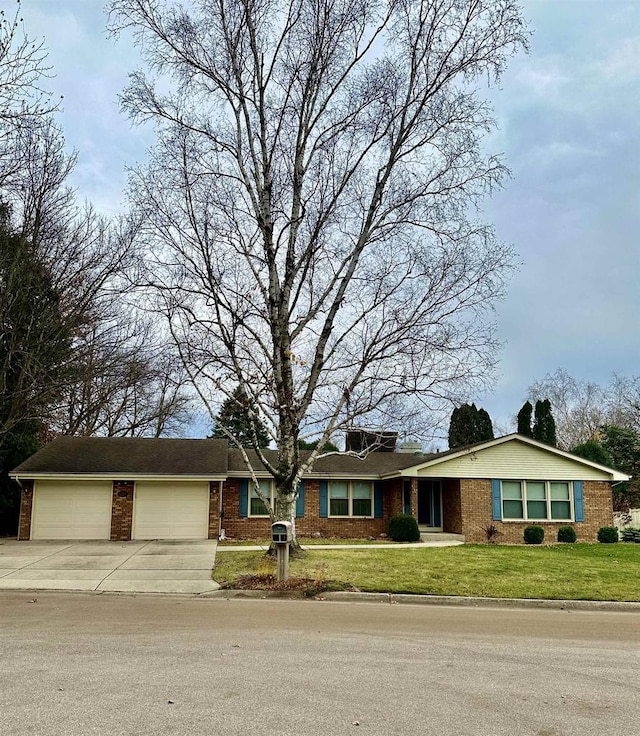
x: 375, y: 463
x: 164, y: 456
x: 211, y: 458
x: 135, y: 455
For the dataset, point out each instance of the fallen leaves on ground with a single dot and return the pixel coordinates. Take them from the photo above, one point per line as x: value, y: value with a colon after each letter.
x: 308, y: 586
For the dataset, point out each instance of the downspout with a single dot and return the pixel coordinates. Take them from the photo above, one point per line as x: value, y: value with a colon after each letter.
x: 220, y: 511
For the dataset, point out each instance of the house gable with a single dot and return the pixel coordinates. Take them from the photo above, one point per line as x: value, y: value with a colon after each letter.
x: 513, y: 458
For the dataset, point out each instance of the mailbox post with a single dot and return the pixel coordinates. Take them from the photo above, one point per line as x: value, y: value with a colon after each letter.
x: 281, y: 535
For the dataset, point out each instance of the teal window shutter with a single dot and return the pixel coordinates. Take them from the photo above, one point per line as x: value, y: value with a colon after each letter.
x: 437, y: 507
x: 578, y: 500
x: 324, y: 499
x: 244, y: 498
x: 496, y: 501
x: 406, y: 496
x: 300, y: 501
x: 377, y: 499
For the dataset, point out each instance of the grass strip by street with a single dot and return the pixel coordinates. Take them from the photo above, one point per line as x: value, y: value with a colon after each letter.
x: 605, y: 572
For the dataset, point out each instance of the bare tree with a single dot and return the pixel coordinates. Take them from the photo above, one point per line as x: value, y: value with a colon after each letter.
x: 73, y: 355
x: 624, y: 401
x: 124, y: 383
x: 582, y: 407
x: 24, y: 101
x: 308, y: 209
x: 579, y: 407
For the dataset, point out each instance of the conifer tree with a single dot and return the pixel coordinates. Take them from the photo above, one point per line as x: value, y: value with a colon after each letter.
x: 236, y: 418
x: 544, y: 425
x: 485, y: 426
x: 524, y: 419
x: 469, y: 425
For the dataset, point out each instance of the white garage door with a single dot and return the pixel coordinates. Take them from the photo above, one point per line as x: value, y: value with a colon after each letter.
x: 71, y: 510
x: 171, y: 510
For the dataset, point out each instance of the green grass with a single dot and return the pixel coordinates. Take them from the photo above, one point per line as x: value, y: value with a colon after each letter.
x: 573, y: 571
x: 304, y: 541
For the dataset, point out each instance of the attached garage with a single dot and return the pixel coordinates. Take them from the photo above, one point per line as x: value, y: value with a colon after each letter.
x: 71, y: 509
x: 171, y: 510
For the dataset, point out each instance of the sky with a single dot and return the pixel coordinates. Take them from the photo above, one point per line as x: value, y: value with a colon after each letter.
x: 569, y: 123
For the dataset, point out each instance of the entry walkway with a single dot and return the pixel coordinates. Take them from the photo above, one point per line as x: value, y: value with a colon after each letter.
x: 428, y: 540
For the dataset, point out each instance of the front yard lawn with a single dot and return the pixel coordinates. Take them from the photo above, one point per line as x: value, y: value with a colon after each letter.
x: 574, y: 571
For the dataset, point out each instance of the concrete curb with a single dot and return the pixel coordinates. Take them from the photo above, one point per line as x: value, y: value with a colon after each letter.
x: 434, y: 600
x: 355, y: 597
x: 469, y: 602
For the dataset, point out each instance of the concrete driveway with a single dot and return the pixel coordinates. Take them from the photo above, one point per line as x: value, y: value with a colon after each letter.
x: 132, y: 567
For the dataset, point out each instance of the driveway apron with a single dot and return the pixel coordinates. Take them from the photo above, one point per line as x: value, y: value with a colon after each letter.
x: 145, y: 567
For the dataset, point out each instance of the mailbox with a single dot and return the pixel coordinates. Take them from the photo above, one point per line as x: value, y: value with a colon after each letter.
x: 281, y: 532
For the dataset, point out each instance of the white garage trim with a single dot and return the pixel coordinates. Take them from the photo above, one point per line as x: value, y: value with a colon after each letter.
x: 171, y: 510
x: 77, y: 509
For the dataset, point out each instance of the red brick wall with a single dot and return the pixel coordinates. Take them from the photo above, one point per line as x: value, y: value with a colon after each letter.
x: 214, y: 509
x: 121, y: 510
x: 451, y: 506
x: 414, y: 497
x: 26, y: 506
x: 352, y: 528
x: 392, y: 498
x: 477, y: 514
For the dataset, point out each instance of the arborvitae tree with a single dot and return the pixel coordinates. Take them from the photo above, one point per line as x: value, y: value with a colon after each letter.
x: 485, y: 426
x: 544, y: 426
x: 524, y: 419
x: 469, y: 425
x: 235, y: 417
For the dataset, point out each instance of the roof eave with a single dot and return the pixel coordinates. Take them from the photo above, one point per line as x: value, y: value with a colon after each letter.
x: 116, y: 476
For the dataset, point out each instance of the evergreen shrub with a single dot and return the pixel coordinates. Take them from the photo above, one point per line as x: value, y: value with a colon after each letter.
x: 567, y: 534
x: 533, y: 534
x: 607, y: 535
x: 404, y: 528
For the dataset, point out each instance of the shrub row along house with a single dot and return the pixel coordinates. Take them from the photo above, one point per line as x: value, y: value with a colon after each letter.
x: 133, y: 488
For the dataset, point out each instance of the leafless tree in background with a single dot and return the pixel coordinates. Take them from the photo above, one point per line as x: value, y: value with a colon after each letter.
x: 73, y: 355
x: 24, y: 101
x: 125, y: 383
x: 309, y: 208
x: 582, y: 407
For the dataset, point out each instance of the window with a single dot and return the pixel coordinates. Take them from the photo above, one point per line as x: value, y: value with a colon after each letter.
x: 256, y: 504
x: 560, y: 501
x: 350, y: 498
x: 535, y: 500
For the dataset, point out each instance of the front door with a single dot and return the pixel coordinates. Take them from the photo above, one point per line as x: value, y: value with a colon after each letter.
x: 430, y: 504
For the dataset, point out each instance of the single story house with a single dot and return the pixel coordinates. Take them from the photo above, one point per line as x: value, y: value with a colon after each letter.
x: 123, y: 488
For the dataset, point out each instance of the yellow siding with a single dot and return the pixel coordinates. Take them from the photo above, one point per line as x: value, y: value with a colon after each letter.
x: 513, y: 459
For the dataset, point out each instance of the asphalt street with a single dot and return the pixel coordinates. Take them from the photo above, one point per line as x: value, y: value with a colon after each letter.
x: 78, y: 664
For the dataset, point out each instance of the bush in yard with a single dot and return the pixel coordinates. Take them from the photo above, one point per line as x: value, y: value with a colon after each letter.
x: 533, y: 534
x: 567, y: 534
x: 630, y: 535
x: 607, y: 535
x: 404, y: 528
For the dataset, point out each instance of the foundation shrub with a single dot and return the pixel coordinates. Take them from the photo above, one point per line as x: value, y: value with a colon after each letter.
x: 533, y: 534
x: 404, y: 528
x: 567, y: 534
x: 607, y: 535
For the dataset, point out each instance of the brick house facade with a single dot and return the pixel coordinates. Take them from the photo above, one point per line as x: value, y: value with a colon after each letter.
x: 466, y: 491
